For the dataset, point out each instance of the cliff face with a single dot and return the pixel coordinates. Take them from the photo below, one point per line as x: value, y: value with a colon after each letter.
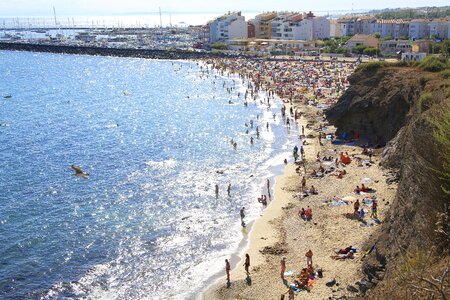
x: 377, y: 103
x: 398, y: 105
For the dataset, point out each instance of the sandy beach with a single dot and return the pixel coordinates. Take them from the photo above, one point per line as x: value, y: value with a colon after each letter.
x: 280, y: 232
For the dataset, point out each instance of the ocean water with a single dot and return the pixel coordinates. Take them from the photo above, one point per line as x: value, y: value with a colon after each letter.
x: 155, y: 138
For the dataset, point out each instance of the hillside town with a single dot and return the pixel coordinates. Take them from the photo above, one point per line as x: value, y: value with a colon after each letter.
x: 301, y: 33
x: 268, y: 33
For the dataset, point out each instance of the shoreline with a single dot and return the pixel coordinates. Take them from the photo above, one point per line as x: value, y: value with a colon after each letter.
x: 281, y: 228
x: 261, y: 222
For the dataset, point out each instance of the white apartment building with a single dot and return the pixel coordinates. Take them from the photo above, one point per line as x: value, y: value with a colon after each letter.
x: 439, y: 28
x: 228, y: 26
x: 418, y: 29
x: 392, y: 28
x: 346, y: 26
x: 321, y: 28
x: 300, y: 27
x: 278, y: 25
x: 364, y: 24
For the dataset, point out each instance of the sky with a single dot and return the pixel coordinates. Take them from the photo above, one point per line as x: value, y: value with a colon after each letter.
x: 37, y: 8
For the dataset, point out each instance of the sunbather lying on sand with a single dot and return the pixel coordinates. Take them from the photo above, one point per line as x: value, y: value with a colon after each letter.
x: 349, y: 255
x: 339, y: 173
x: 366, y: 189
x: 313, y: 191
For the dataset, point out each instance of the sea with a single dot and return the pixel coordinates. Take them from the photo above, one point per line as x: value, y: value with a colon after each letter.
x: 155, y: 137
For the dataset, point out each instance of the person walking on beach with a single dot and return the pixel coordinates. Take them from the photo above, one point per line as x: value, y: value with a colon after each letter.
x: 217, y: 191
x: 247, y: 263
x: 374, y: 213
x: 283, y: 267
x: 309, y: 256
x: 227, y: 269
x: 229, y: 189
x: 242, y: 213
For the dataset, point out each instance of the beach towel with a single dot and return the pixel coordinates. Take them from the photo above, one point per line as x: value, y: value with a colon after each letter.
x: 289, y: 273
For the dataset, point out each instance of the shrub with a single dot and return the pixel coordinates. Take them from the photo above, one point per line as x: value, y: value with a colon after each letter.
x: 445, y: 74
x: 425, y: 101
x: 374, y: 65
x: 219, y: 46
x: 434, y: 63
x: 371, y: 51
x: 423, y: 80
x: 442, y: 136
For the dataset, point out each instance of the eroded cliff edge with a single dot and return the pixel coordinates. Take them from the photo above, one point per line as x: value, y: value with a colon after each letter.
x: 399, y: 109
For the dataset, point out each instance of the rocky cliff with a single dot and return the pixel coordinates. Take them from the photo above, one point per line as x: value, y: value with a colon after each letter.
x: 399, y: 107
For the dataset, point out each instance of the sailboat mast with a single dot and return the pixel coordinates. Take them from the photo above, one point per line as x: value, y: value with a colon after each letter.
x: 54, y: 15
x: 160, y: 18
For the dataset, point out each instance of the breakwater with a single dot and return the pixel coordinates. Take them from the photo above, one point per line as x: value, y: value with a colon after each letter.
x: 103, y: 51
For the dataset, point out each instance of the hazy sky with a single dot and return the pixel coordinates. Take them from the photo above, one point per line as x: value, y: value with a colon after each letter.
x: 21, y: 8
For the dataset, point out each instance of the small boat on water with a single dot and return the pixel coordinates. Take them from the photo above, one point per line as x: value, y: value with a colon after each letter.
x: 7, y: 96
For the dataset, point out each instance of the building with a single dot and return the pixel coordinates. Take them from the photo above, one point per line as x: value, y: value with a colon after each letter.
x: 421, y: 46
x: 321, y: 28
x: 204, y: 34
x: 251, y: 30
x: 334, y: 28
x: 438, y: 28
x: 363, y: 39
x: 395, y: 46
x: 418, y: 29
x: 346, y: 26
x: 276, y: 25
x: 390, y: 28
x: 263, y: 26
x: 363, y: 25
x: 228, y: 26
x: 415, y: 56
x: 295, y: 26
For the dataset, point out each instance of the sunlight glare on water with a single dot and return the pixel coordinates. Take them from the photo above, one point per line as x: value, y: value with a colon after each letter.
x: 155, y: 138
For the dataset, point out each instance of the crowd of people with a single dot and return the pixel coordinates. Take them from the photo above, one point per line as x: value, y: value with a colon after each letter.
x: 314, y: 83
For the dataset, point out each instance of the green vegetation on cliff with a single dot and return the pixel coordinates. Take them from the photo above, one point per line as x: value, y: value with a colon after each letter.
x: 442, y: 135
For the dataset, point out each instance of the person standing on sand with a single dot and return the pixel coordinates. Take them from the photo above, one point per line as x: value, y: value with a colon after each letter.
x: 217, y: 191
x: 309, y: 256
x: 227, y: 269
x: 247, y: 263
x: 229, y: 189
x: 356, y: 207
x: 242, y: 213
x: 283, y: 267
x: 303, y: 183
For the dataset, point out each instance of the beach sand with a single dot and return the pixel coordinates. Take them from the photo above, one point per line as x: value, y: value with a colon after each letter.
x: 287, y: 235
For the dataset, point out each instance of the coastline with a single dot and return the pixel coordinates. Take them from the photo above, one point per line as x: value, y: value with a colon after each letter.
x: 261, y: 226
x: 281, y: 229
